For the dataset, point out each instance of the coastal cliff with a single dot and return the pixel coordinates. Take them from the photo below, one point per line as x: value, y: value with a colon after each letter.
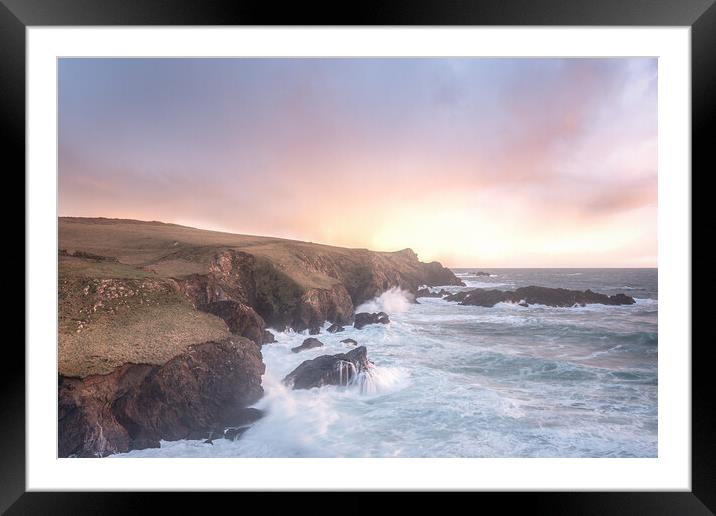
x: 160, y: 325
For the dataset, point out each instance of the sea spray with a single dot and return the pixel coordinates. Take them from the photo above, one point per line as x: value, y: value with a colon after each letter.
x: 392, y: 301
x: 466, y: 381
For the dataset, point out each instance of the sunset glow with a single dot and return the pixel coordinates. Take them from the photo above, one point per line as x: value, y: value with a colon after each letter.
x: 472, y: 162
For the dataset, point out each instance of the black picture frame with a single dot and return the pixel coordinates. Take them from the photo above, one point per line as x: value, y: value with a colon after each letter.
x: 700, y: 15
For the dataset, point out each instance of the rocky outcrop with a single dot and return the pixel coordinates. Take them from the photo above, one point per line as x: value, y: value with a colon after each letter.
x: 287, y: 283
x: 379, y: 272
x: 350, y: 341
x: 203, y: 390
x: 525, y: 296
x: 268, y: 338
x: 319, y: 305
x: 335, y: 328
x: 433, y: 273
x: 162, y: 369
x: 338, y: 369
x: 230, y: 276
x: 309, y: 343
x: 240, y: 318
x: 364, y: 319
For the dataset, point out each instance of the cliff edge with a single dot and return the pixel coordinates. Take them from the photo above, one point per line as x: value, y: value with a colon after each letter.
x: 150, y: 314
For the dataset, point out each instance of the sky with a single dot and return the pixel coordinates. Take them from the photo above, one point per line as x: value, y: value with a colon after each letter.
x: 468, y: 161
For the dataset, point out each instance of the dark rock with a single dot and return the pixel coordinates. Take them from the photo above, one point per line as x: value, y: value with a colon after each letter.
x: 481, y: 273
x: 319, y: 305
x: 240, y: 318
x: 231, y: 277
x: 558, y: 297
x: 522, y: 303
x: 335, y: 328
x: 309, y: 343
x: 314, y: 331
x: 435, y: 274
x: 234, y: 433
x: 426, y: 292
x: 269, y: 338
x: 235, y: 418
x: 337, y: 369
x: 364, y: 318
x: 350, y: 341
x: 137, y: 405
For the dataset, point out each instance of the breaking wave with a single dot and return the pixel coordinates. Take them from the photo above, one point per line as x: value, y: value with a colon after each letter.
x: 464, y: 381
x: 395, y: 300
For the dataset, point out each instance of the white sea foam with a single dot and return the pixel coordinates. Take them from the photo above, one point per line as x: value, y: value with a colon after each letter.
x: 463, y: 381
x: 391, y: 301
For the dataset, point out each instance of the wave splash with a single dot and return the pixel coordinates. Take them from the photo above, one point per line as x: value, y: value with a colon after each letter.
x: 395, y: 300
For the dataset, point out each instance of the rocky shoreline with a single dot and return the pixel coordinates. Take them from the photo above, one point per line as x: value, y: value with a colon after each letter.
x: 169, y: 348
x: 133, y: 398
x: 197, y: 394
x: 532, y: 295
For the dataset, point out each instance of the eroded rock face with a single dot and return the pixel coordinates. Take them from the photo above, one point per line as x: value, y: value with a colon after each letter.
x: 434, y: 273
x: 240, y: 318
x: 524, y: 296
x: 231, y: 277
x: 309, y: 343
x: 236, y: 276
x: 338, y: 369
x: 137, y: 405
x: 364, y: 318
x: 319, y: 305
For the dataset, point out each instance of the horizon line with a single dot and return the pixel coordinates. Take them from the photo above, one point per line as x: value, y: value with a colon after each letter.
x: 334, y: 245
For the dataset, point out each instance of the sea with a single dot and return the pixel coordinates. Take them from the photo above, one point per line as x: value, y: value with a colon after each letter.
x: 468, y: 381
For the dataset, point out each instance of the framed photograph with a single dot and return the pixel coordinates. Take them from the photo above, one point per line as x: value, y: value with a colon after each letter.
x: 440, y: 249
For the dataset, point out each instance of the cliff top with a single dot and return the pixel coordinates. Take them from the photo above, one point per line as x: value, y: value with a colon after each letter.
x: 170, y: 250
x: 137, y: 292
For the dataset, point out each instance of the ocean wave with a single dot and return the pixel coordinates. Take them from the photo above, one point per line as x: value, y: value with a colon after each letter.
x: 395, y: 300
x: 453, y: 380
x: 378, y: 381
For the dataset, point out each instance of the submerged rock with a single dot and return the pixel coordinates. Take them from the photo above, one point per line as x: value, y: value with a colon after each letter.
x: 426, y: 292
x: 234, y: 433
x: 309, y: 343
x: 525, y: 296
x: 230, y: 425
x: 335, y: 328
x: 350, y: 341
x: 364, y: 318
x: 338, y: 369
